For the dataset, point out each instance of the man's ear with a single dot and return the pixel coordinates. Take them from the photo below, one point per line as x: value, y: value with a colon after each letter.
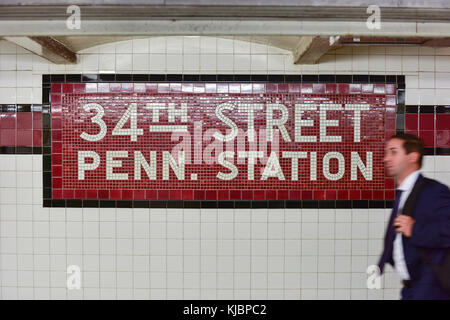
x: 414, y: 157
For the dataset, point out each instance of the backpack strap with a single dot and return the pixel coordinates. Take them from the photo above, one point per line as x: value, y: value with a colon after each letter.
x: 410, y: 204
x: 408, y: 209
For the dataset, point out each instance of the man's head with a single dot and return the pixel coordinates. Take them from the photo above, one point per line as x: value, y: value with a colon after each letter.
x: 403, y: 155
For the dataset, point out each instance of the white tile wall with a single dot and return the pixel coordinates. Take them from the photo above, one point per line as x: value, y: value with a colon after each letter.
x: 190, y: 253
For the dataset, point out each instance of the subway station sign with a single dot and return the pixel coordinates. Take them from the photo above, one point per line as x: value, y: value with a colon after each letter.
x: 220, y: 140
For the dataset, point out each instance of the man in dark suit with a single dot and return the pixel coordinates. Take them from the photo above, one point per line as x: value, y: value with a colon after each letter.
x: 429, y: 228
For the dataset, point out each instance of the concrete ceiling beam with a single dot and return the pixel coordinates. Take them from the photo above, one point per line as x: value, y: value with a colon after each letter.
x: 46, y: 47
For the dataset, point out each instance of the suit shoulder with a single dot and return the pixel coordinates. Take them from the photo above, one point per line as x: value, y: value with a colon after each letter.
x: 437, y: 187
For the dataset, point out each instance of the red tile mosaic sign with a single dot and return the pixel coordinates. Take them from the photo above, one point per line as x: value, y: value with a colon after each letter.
x: 221, y: 141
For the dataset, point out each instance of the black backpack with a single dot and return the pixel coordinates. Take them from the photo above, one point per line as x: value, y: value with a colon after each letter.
x: 440, y: 271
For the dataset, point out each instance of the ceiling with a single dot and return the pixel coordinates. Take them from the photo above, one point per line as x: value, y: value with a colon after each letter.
x: 309, y: 29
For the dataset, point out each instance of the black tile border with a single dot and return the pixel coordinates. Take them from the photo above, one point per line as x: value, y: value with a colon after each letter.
x: 219, y: 204
x: 48, y: 79
x: 20, y: 107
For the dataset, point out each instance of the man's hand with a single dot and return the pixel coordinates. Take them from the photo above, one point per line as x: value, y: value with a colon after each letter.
x: 404, y: 224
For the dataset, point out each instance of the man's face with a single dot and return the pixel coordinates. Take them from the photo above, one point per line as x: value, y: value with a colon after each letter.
x: 396, y: 160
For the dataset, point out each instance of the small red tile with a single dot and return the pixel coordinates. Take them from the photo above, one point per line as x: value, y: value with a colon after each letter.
x: 57, y: 171
x: 283, y: 88
x: 295, y: 195
x: 283, y: 195
x: 115, y: 194
x: 331, y: 195
x: 223, y: 194
x: 92, y: 194
x: 163, y: 194
x: 259, y: 194
x: 24, y: 120
x: 411, y: 121
x: 151, y: 87
x: 57, y: 159
x: 57, y: 194
x: 79, y: 88
x: 151, y: 194
x: 443, y: 138
x: 80, y: 194
x: 56, y: 147
x: 271, y: 88
x: 355, y: 194
x: 343, y: 88
x: 442, y: 121
x: 211, y: 194
x: 318, y: 87
x: 37, y: 138
x: 294, y: 87
x: 247, y: 195
x: 56, y: 135
x: 68, y: 194
x: 331, y: 88
x: 56, y: 98
x: 235, y: 194
x: 56, y: 183
x: 127, y: 194
x: 427, y: 138
x: 175, y: 194
x: 389, y: 133
x: 390, y: 88
x: 67, y: 88
x: 366, y: 194
x: 318, y: 195
x: 139, y: 194
x: 389, y: 194
x: 307, y: 88
x: 389, y: 183
x: 56, y: 123
x: 56, y: 88
x: 390, y: 124
x: 187, y: 195
x: 8, y: 121
x: 426, y: 122
x: 199, y: 194
x: 342, y: 194
x: 24, y: 138
x: 116, y: 87
x: 271, y: 194
x: 37, y: 120
x: 129, y: 87
x: 378, y: 194
x: 307, y: 195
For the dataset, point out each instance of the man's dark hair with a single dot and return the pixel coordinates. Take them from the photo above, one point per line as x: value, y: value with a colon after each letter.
x: 411, y: 143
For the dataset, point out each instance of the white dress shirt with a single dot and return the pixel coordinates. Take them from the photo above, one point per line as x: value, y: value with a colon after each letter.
x: 398, y: 255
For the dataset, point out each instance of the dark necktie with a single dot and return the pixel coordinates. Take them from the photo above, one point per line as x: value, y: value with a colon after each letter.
x: 390, y: 233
